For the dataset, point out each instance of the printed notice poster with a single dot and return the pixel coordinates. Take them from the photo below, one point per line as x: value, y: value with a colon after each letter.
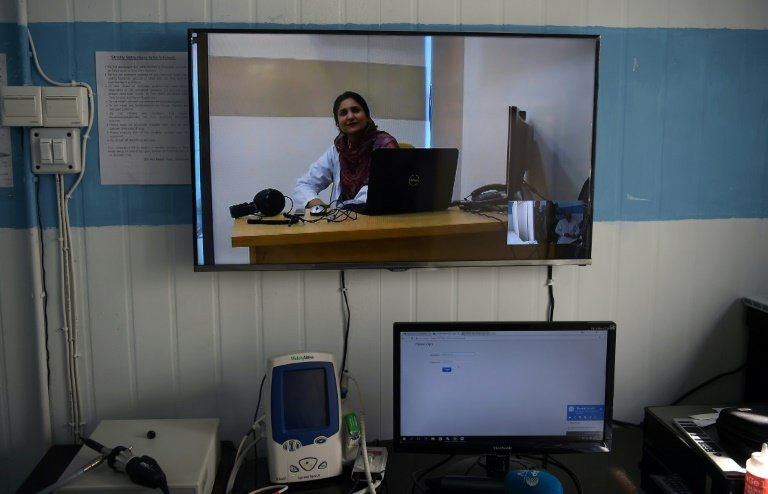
x: 6, y: 167
x: 143, y: 112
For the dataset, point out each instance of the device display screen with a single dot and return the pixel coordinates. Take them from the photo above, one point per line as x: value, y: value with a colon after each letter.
x: 306, y: 399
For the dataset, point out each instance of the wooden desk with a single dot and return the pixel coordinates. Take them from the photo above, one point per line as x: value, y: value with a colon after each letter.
x: 451, y: 235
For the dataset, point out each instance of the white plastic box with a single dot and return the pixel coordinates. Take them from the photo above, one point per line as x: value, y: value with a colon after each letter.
x: 186, y: 449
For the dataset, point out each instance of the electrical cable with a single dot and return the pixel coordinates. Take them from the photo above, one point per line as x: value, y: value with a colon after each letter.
x: 348, y: 317
x: 568, y: 471
x: 67, y: 266
x: 274, y: 489
x: 252, y: 430
x: 238, y: 462
x: 415, y: 479
x: 44, y: 282
x: 366, y: 462
x: 70, y: 478
x: 550, y: 286
x: 707, y: 382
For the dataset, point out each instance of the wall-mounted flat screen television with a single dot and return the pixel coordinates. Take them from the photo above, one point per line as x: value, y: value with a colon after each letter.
x: 491, y: 159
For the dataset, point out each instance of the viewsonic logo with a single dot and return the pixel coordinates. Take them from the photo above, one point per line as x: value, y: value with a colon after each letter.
x: 302, y: 357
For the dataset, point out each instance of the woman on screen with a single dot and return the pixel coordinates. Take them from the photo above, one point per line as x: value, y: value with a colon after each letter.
x: 347, y: 162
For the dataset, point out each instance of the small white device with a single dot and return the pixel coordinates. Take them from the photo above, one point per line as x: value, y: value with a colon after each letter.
x: 187, y: 450
x: 303, y: 418
x: 377, y: 460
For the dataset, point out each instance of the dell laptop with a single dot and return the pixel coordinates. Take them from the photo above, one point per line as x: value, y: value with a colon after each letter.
x: 410, y: 180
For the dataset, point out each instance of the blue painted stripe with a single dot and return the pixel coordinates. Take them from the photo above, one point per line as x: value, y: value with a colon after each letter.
x: 682, y: 128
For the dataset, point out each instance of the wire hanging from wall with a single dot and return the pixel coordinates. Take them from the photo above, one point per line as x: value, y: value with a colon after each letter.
x: 68, y: 275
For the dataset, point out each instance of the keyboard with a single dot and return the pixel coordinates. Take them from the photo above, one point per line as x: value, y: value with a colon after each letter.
x: 709, y: 447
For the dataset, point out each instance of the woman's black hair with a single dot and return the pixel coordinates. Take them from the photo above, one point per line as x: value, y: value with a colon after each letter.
x: 346, y: 95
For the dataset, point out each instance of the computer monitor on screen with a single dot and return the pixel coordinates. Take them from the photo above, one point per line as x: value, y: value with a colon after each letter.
x: 503, y: 387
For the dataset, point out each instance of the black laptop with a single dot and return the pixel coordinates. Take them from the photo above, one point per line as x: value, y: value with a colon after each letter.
x: 410, y: 180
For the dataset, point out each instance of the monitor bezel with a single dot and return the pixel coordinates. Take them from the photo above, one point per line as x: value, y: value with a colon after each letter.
x: 502, y: 445
x: 204, y: 249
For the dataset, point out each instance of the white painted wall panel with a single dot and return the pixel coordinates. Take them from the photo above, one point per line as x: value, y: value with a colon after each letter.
x: 398, y: 11
x: 481, y: 12
x: 200, y: 10
x: 228, y: 11
x: 161, y: 340
x: 648, y: 13
x: 366, y: 12
x: 738, y: 14
x: 24, y: 427
x: 269, y: 11
x: 565, y: 12
x: 141, y: 10
x: 94, y: 10
x: 320, y: 12
x: 602, y: 12
x: 672, y: 287
x: 523, y: 12
x: 438, y: 11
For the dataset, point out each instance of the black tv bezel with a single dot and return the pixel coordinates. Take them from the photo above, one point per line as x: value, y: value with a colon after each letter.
x: 502, y: 445
x: 209, y: 262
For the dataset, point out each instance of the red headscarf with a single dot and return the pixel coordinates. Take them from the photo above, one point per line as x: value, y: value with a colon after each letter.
x: 356, y: 163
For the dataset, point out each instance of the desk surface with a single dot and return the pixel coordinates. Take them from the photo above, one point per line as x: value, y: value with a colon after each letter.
x: 452, y: 235
x: 614, y: 472
x: 452, y: 221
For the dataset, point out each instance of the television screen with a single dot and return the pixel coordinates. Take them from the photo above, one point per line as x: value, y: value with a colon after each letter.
x: 503, y: 387
x: 275, y: 131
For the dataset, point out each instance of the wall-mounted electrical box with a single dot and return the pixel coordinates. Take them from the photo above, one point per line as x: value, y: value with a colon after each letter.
x: 55, y: 150
x: 65, y: 106
x: 21, y: 106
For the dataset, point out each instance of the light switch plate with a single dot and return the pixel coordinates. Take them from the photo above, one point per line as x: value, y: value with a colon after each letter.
x: 55, y: 150
x: 65, y: 106
x: 21, y: 106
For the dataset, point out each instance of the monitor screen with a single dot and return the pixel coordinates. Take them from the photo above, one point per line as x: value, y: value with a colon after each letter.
x: 503, y: 387
x: 520, y: 109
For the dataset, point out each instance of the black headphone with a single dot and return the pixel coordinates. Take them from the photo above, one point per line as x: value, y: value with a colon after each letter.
x: 268, y: 202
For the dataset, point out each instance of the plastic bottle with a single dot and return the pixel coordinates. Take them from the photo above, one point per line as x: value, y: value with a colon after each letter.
x: 756, y: 479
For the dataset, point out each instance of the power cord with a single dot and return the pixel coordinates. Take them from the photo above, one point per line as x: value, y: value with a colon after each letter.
x: 550, y: 287
x: 417, y: 475
x: 347, y: 322
x: 242, y: 451
x: 708, y: 382
x: 67, y: 264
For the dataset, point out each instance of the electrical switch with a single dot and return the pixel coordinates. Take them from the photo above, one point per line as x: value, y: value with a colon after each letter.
x: 60, y: 151
x: 55, y: 150
x: 46, y: 151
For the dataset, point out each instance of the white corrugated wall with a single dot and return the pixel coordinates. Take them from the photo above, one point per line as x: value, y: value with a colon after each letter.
x: 159, y: 340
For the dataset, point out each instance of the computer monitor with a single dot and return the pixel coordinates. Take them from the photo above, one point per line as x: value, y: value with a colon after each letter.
x: 503, y: 387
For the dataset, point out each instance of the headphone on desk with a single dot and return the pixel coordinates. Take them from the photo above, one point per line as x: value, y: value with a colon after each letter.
x: 268, y: 202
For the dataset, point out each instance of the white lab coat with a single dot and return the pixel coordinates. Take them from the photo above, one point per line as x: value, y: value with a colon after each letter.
x: 322, y: 173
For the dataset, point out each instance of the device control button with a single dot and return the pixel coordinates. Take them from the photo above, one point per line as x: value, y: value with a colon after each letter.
x: 308, y: 463
x: 293, y: 469
x: 291, y: 445
x: 320, y: 440
x: 323, y: 465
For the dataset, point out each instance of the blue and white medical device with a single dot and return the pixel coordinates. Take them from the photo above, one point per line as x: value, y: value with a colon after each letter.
x: 303, y: 418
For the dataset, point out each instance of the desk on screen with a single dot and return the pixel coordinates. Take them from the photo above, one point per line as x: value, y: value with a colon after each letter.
x: 439, y: 236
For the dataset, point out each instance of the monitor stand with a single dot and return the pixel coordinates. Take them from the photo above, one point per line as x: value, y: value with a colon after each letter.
x: 495, y: 480
x: 496, y: 468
